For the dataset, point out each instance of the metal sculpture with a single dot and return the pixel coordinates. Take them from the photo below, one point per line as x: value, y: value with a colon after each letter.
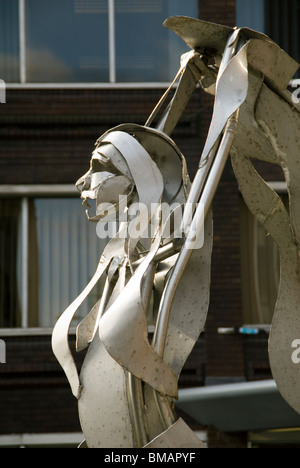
x: 160, y: 280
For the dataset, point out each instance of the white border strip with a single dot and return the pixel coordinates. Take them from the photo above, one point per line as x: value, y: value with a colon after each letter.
x: 279, y: 187
x: 12, y: 190
x: 6, y: 332
x: 23, y: 440
x: 87, y: 85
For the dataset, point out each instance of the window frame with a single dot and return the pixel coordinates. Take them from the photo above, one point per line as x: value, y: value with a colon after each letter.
x: 42, y: 440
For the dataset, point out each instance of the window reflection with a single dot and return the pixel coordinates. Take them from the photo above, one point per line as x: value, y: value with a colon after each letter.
x: 9, y: 41
x: 66, y: 41
x: 70, y: 40
x: 145, y: 50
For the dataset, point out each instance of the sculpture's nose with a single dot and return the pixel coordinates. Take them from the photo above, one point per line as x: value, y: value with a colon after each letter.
x: 84, y: 182
x: 90, y: 183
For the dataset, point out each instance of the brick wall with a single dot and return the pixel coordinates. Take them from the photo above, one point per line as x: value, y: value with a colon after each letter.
x: 48, y: 136
x: 225, y: 352
x: 34, y: 394
x: 221, y: 11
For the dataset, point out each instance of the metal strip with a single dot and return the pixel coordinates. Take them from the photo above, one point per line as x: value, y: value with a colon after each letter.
x: 87, y: 85
x: 25, y: 259
x: 111, y: 41
x: 22, y: 41
x: 17, y: 190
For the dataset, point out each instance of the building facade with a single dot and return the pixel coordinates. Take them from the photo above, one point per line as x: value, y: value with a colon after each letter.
x: 70, y: 73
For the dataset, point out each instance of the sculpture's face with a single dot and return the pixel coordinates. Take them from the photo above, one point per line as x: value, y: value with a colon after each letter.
x: 107, y: 182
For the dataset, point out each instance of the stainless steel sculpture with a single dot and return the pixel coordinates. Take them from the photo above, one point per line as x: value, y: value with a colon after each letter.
x: 160, y: 281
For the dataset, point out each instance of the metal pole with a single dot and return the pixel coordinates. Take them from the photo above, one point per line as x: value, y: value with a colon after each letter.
x: 184, y: 255
x: 111, y: 41
x: 204, y: 186
x: 22, y: 41
x: 25, y: 259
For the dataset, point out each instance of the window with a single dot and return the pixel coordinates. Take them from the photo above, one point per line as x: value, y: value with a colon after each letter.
x: 260, y: 268
x: 250, y: 14
x: 280, y: 20
x: 66, y: 41
x: 9, y: 41
x: 10, y: 212
x: 283, y: 24
x: 90, y: 40
x: 49, y: 252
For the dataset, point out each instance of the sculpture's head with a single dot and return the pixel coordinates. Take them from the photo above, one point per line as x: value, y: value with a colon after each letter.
x: 133, y: 163
x: 108, y: 179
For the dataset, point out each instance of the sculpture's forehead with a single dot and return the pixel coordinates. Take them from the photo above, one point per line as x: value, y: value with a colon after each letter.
x: 110, y: 158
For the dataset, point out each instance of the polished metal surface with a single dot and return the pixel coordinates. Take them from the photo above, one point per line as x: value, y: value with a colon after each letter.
x: 156, y: 272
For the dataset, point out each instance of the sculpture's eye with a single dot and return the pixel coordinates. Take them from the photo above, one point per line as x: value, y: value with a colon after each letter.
x: 107, y: 158
x: 100, y: 162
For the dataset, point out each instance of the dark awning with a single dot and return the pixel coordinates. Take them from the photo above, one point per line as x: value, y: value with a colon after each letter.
x: 247, y: 406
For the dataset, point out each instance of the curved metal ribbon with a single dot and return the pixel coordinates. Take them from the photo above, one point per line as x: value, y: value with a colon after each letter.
x: 123, y: 330
x: 60, y: 341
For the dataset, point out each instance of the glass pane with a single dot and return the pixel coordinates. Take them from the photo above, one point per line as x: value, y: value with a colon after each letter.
x: 260, y: 267
x: 250, y: 14
x: 9, y: 41
x: 66, y: 41
x: 145, y: 50
x: 68, y: 252
x: 282, y: 24
x: 10, y: 225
